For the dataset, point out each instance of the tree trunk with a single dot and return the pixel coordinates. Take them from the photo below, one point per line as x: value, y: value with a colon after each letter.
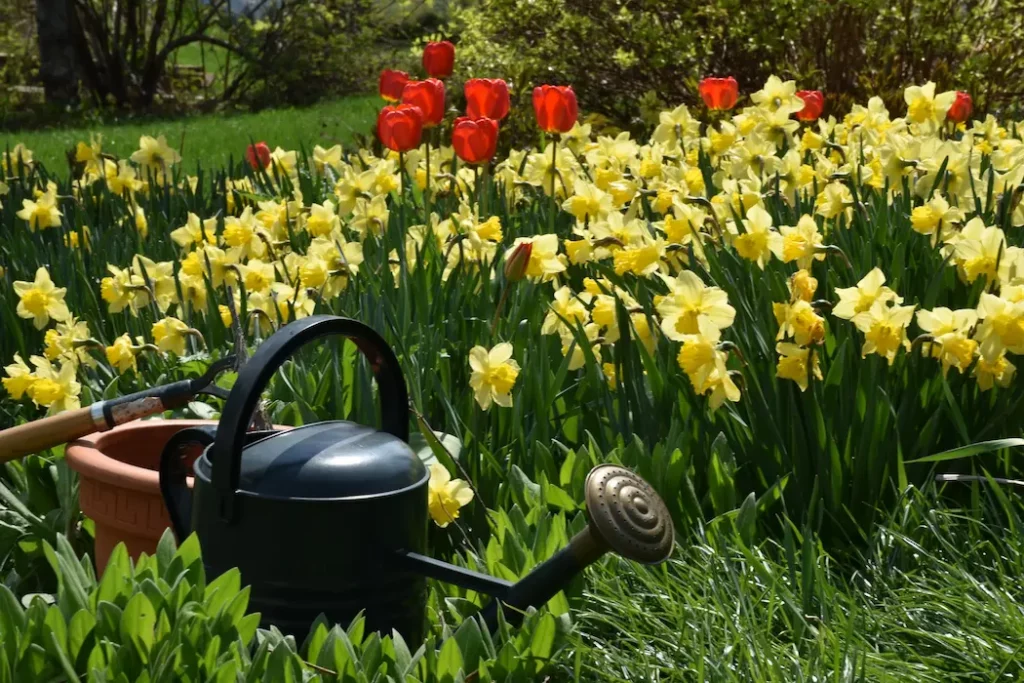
x: 56, y: 50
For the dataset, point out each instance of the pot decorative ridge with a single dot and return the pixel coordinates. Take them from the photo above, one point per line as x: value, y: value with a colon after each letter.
x: 119, y: 484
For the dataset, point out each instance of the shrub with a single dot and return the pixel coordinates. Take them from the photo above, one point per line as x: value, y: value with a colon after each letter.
x: 625, y: 59
x: 302, y: 51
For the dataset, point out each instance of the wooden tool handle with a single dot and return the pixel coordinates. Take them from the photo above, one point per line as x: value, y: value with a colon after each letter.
x: 40, y: 435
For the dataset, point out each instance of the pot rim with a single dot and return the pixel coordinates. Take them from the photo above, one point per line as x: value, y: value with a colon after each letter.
x: 86, y: 457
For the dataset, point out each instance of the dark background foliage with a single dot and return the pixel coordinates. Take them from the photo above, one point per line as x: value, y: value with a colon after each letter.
x: 628, y: 58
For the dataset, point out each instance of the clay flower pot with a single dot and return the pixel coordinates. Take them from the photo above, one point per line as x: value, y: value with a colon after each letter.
x: 120, y: 484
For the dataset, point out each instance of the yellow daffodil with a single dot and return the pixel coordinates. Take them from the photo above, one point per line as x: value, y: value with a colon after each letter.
x: 884, y: 328
x: 56, y: 389
x: 19, y: 378
x: 90, y: 155
x: 370, y: 217
x: 870, y: 289
x: 778, y: 95
x: 140, y: 222
x: 799, y: 321
x: 835, y: 200
x: 73, y: 239
x: 978, y: 249
x: 643, y: 260
x: 566, y: 311
x: 797, y: 363
x: 925, y: 108
x: 121, y: 178
x: 688, y: 303
x: 698, y: 355
x: 324, y: 158
x: 494, y: 375
x: 998, y: 372
x: 545, y: 261
x: 753, y: 244
x: 69, y: 342
x: 160, y: 278
x: 675, y: 126
x: 705, y: 366
x: 243, y: 235
x: 258, y: 276
x: 802, y: 243
x: 608, y: 370
x: 16, y: 160
x: 170, y: 335
x: 1001, y: 328
x: 802, y: 285
x: 284, y: 161
x: 588, y: 203
x: 41, y: 300
x: 124, y: 289
x: 42, y: 213
x: 571, y: 345
x: 935, y: 218
x: 196, y: 231
x: 121, y: 354
x: 322, y: 220
x: 950, y: 330
x: 155, y: 154
x: 446, y: 496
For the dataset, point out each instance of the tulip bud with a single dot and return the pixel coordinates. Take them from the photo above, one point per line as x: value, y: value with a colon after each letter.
x: 555, y: 107
x: 391, y: 84
x: 258, y: 155
x: 961, y: 108
x: 719, y: 94
x: 439, y: 59
x: 428, y: 95
x: 814, y: 103
x: 517, y: 261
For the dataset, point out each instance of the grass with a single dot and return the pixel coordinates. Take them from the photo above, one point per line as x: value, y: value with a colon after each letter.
x: 212, y: 139
x: 934, y: 597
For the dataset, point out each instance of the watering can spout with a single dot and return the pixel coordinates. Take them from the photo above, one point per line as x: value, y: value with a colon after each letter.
x: 626, y: 517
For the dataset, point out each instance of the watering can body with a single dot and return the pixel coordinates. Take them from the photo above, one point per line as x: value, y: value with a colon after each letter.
x: 313, y: 516
x: 331, y: 518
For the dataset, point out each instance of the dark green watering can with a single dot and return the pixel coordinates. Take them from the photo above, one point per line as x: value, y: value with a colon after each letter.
x: 332, y: 517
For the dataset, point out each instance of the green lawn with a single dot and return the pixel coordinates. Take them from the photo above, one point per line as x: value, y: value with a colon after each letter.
x: 211, y: 139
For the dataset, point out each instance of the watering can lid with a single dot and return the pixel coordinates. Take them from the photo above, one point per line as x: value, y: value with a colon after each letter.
x: 327, y: 460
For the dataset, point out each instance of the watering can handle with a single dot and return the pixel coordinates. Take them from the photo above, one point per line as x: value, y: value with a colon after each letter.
x: 173, y: 477
x: 226, y: 452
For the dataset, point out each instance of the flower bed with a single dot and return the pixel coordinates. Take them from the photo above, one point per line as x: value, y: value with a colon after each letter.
x: 801, y: 306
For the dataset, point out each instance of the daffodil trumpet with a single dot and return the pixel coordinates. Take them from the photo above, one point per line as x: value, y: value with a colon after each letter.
x: 102, y: 416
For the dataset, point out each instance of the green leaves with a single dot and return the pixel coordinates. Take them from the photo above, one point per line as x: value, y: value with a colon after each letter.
x: 969, y: 451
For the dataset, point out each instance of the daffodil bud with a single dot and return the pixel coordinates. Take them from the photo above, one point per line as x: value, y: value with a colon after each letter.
x: 517, y: 261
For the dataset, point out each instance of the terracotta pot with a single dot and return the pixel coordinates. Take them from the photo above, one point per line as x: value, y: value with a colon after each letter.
x: 119, y: 484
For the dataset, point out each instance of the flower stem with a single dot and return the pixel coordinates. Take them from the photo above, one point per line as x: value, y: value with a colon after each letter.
x: 401, y: 173
x: 554, y: 175
x: 501, y: 305
x: 426, y: 188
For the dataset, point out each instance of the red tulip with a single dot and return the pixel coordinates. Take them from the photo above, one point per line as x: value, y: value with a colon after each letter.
x: 486, y: 98
x: 555, y: 106
x: 814, y: 103
x: 961, y: 109
x: 439, y: 59
x: 475, y: 141
x: 391, y: 84
x: 719, y: 94
x: 517, y: 261
x: 258, y: 155
x: 428, y: 95
x: 400, y: 127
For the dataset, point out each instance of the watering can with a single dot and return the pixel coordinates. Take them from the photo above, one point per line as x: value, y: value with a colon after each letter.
x: 331, y: 517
